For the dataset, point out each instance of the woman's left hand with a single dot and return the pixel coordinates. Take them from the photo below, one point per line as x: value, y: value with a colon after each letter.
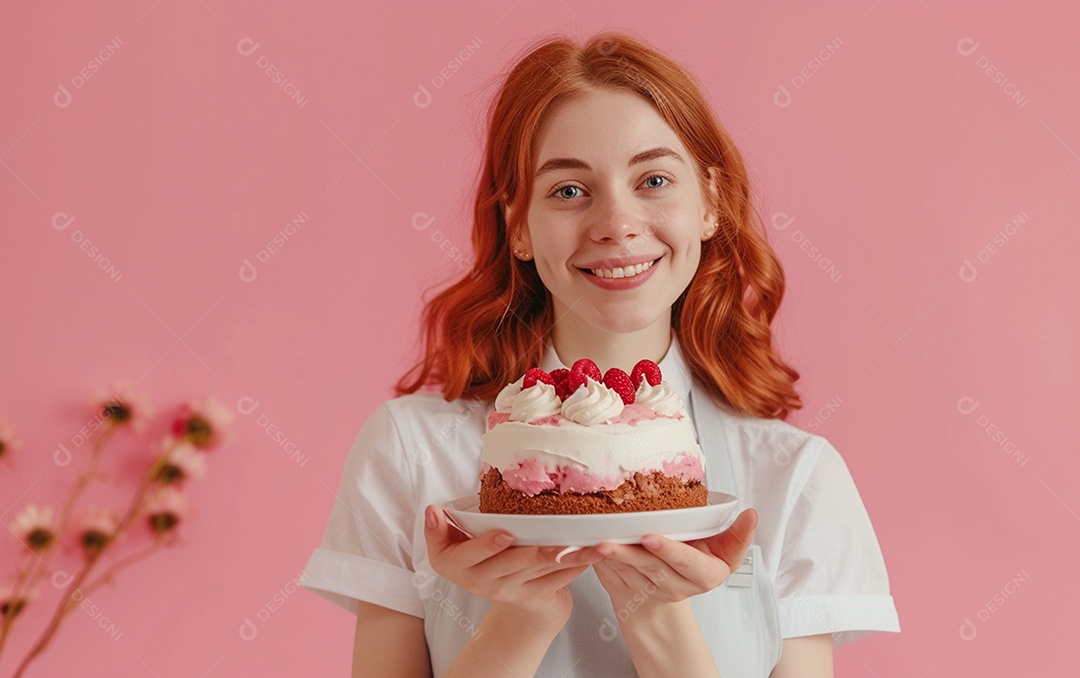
x: 663, y: 570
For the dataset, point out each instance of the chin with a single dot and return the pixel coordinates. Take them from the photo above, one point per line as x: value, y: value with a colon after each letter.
x: 625, y: 324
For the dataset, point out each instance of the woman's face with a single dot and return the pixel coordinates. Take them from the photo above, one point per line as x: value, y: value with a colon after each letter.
x: 597, y: 202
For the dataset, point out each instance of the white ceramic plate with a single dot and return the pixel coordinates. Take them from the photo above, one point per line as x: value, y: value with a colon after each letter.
x: 591, y: 529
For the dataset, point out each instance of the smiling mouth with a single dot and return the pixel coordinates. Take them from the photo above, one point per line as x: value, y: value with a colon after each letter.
x: 624, y: 272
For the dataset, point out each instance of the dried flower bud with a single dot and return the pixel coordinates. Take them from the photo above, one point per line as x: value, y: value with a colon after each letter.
x: 122, y: 406
x: 202, y: 422
x: 35, y: 527
x: 165, y: 509
x: 11, y: 605
x: 181, y: 462
x: 97, y: 527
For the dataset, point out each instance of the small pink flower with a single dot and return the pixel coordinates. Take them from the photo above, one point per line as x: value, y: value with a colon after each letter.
x: 122, y: 406
x: 10, y: 604
x: 182, y: 462
x: 165, y: 508
x: 203, y: 422
x: 9, y: 440
x: 35, y: 527
x: 96, y: 528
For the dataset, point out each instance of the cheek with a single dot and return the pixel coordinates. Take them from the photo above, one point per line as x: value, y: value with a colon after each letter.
x: 551, y: 265
x: 551, y: 242
x: 695, y: 251
x: 674, y: 221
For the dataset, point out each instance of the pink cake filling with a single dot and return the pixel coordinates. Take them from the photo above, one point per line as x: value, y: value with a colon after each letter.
x: 687, y: 468
x: 532, y: 477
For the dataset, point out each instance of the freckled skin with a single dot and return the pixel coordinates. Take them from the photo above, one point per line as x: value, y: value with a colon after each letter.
x: 576, y: 216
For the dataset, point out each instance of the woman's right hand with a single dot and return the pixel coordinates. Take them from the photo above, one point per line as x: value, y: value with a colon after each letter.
x: 523, y: 582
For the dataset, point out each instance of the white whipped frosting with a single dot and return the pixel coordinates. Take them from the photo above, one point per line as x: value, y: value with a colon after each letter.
x: 505, y: 400
x: 662, y: 398
x: 594, y: 404
x: 536, y: 402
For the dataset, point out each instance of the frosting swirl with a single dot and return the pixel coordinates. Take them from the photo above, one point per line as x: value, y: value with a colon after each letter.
x: 662, y: 398
x: 593, y: 404
x: 536, y: 402
x: 505, y: 399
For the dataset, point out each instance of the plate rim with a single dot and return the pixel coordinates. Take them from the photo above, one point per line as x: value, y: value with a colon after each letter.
x: 524, y: 526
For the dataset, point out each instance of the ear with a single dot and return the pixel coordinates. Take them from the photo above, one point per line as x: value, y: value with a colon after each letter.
x: 519, y: 234
x: 507, y: 210
x: 712, y: 198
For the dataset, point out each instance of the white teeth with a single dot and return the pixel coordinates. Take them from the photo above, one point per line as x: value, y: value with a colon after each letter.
x: 625, y: 272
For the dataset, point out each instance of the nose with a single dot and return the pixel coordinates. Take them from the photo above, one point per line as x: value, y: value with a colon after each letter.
x: 613, y: 221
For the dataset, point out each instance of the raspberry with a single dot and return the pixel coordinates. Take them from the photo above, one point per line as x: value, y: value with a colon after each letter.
x: 647, y: 369
x: 619, y: 381
x: 534, y: 375
x: 588, y: 367
x: 575, y: 381
x: 580, y: 373
x: 562, y: 382
x: 563, y: 388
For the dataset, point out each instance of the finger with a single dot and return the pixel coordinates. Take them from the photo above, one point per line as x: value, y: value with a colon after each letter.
x: 566, y: 551
x: 553, y: 581
x: 535, y: 560
x: 732, y: 544
x: 436, y: 532
x: 634, y: 555
x: 666, y: 561
x: 693, y: 563
x: 466, y: 551
x: 607, y: 574
x: 586, y: 555
x: 613, y: 574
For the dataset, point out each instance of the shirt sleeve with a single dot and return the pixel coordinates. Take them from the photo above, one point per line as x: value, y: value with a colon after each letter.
x: 832, y: 576
x: 367, y: 545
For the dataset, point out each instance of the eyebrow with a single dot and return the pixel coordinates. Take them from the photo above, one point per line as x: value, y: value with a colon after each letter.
x: 573, y: 163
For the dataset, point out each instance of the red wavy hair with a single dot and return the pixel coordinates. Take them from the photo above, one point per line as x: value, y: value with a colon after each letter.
x: 488, y: 327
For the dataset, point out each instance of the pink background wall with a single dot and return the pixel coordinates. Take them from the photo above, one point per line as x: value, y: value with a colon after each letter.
x: 895, y: 157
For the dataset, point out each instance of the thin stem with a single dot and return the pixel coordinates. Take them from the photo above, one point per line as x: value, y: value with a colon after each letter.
x: 9, y: 619
x: 62, y: 607
x: 85, y: 478
x: 33, y: 574
x: 107, y: 575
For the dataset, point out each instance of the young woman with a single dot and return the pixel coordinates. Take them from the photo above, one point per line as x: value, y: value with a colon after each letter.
x: 604, y: 156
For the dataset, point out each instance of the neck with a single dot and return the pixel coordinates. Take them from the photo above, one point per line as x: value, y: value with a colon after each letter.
x: 573, y: 341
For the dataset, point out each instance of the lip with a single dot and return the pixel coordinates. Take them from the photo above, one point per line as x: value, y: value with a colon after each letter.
x: 622, y: 283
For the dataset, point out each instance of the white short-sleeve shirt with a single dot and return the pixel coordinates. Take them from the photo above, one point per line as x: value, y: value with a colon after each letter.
x: 815, y: 565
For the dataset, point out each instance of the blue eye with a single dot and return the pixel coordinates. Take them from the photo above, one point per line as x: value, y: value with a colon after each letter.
x: 563, y: 196
x: 558, y: 194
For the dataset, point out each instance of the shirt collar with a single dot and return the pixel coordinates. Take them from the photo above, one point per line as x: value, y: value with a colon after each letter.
x: 673, y: 367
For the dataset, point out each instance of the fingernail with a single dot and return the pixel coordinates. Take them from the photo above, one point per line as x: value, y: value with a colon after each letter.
x: 429, y: 517
x: 650, y: 542
x: 503, y: 539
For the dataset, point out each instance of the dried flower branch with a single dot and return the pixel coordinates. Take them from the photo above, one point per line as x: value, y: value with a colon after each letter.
x: 157, y: 501
x: 117, y: 406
